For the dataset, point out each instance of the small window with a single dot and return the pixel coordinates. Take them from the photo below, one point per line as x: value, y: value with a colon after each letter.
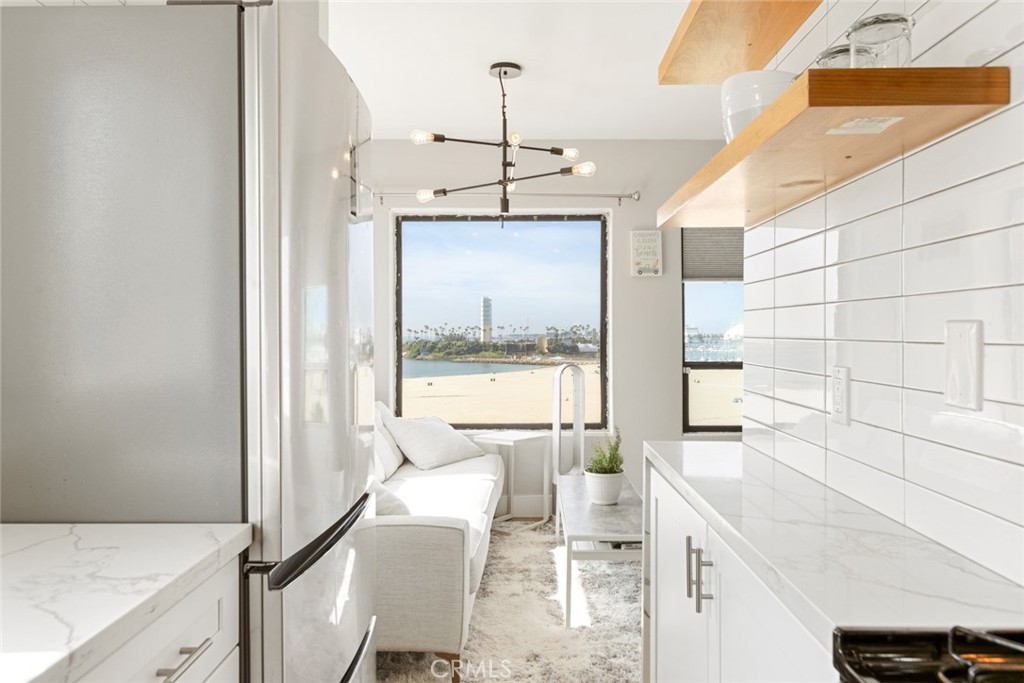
x: 712, y: 356
x: 488, y: 307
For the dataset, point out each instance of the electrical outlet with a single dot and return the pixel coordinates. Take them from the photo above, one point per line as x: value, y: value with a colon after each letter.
x: 841, y: 395
x: 963, y: 364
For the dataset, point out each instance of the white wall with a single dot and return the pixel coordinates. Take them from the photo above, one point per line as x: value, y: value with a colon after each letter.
x: 867, y: 276
x: 645, y: 358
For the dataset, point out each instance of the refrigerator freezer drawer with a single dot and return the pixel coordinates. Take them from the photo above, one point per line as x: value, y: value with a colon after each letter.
x: 186, y: 644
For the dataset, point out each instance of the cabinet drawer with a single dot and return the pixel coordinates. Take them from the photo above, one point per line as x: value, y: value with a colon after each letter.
x: 228, y: 671
x: 206, y: 619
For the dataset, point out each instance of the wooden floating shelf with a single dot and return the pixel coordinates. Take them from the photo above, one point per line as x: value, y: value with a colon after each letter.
x: 719, y: 38
x: 801, y: 146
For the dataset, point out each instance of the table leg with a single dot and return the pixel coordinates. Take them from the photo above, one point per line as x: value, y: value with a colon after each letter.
x: 568, y: 582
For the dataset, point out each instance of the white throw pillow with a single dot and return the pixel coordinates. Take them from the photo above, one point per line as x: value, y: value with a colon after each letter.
x: 387, y: 502
x: 430, y: 442
x: 386, y: 455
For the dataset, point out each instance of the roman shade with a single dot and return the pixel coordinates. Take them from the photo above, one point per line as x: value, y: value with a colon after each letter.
x: 712, y: 253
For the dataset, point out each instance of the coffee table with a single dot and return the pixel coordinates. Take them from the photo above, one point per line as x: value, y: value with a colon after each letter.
x: 596, y: 532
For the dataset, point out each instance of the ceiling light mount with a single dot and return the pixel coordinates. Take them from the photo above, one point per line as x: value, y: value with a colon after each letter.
x: 506, y: 70
x: 509, y: 144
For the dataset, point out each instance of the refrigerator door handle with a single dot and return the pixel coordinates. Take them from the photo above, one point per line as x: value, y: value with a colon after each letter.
x: 282, y: 573
x: 364, y: 646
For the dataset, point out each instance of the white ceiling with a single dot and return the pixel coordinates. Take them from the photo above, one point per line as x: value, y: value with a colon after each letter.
x: 589, y: 69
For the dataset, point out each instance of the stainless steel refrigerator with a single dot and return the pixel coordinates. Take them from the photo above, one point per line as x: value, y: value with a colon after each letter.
x: 185, y: 335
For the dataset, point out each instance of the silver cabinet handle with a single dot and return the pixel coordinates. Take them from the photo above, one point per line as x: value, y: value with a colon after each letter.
x: 689, y: 571
x: 194, y: 653
x: 700, y: 596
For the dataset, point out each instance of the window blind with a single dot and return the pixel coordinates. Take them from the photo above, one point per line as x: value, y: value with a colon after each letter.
x: 712, y: 253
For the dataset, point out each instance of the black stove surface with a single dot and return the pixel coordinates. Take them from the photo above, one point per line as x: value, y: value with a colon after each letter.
x: 912, y: 656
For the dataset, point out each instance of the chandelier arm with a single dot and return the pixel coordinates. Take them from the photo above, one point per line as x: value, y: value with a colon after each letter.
x: 473, y: 142
x: 543, y: 175
x: 549, y: 150
x: 473, y: 187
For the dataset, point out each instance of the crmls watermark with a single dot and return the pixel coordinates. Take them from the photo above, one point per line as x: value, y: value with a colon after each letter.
x: 485, y: 669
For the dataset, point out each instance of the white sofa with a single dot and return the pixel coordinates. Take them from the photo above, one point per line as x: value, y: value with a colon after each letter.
x: 430, y: 560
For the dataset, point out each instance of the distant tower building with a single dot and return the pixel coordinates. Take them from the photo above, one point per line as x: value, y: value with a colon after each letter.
x: 485, y: 319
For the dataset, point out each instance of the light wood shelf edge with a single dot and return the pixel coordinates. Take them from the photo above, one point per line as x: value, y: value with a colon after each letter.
x: 786, y: 156
x: 718, y: 38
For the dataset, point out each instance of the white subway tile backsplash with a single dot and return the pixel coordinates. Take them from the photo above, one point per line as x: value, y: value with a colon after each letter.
x: 874, y: 446
x: 876, y: 234
x: 759, y: 295
x: 991, y: 485
x: 804, y: 457
x: 870, y: 278
x: 1001, y: 311
x: 989, y: 540
x: 801, y: 255
x: 800, y: 289
x: 759, y: 323
x: 797, y: 387
x: 761, y: 238
x: 990, y: 259
x: 879, y: 362
x: 870, y: 320
x: 758, y: 379
x: 867, y: 276
x: 799, y: 421
x: 997, y: 430
x: 801, y: 355
x: 758, y: 351
x: 876, y: 404
x: 760, y: 437
x: 803, y: 221
x: 1002, y: 370
x: 991, y: 145
x: 874, y: 488
x: 759, y: 408
x: 998, y: 28
x: 800, y: 322
x: 993, y: 201
x: 877, y: 191
x: 759, y: 267
x: 940, y: 18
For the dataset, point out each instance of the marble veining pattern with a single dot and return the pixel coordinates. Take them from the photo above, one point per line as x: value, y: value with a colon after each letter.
x: 71, y: 594
x: 831, y: 560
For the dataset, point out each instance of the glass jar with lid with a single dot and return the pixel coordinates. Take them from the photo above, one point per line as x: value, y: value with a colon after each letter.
x: 888, y: 35
x: 841, y: 57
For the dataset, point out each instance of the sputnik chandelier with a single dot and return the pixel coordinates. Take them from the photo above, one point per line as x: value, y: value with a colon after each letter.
x: 511, y: 143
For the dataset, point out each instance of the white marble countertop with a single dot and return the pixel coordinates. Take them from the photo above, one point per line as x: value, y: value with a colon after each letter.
x: 831, y: 560
x: 72, y: 594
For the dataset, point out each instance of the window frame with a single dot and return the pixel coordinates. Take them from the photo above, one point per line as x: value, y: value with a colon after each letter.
x: 703, y: 365
x: 396, y: 363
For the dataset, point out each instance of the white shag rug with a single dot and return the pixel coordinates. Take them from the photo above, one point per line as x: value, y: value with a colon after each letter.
x: 517, y: 633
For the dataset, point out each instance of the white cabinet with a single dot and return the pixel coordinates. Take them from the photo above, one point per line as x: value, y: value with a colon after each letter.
x: 195, y: 641
x: 757, y: 639
x: 679, y: 636
x: 711, y: 618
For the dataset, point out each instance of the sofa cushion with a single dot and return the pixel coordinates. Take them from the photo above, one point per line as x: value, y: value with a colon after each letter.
x: 430, y: 442
x: 468, y: 489
x: 387, y: 503
x: 386, y: 455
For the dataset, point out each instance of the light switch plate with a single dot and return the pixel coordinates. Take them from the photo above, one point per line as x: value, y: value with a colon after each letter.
x: 963, y: 364
x: 840, y: 395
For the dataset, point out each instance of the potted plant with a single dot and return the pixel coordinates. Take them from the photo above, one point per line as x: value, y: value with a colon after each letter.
x: 604, y: 473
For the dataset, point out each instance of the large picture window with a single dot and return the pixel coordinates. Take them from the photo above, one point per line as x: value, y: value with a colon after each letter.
x: 489, y: 307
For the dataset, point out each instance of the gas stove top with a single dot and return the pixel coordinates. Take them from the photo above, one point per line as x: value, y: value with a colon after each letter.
x: 959, y: 655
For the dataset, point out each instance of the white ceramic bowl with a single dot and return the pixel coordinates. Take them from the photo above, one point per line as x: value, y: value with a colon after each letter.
x: 747, y: 94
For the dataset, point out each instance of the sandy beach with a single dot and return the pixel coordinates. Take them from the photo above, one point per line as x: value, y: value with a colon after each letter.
x: 523, y: 396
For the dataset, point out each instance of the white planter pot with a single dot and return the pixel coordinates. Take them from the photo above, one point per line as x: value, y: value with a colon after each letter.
x: 604, y: 489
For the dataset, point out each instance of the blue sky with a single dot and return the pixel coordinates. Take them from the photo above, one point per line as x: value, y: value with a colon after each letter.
x: 536, y: 273
x: 713, y: 306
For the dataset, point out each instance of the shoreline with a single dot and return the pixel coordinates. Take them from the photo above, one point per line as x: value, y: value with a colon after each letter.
x: 513, y: 360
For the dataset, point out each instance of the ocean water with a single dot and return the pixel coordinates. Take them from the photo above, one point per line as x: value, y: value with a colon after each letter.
x: 445, y: 368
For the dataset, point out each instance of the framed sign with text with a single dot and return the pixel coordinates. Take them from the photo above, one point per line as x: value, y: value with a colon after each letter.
x: 646, y: 250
